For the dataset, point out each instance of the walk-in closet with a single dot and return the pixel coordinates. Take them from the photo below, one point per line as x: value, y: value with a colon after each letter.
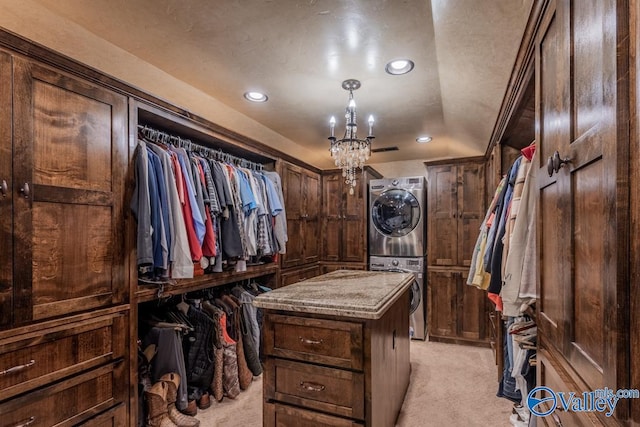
x: 319, y: 213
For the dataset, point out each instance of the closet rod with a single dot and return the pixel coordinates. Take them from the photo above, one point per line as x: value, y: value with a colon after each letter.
x: 155, y: 135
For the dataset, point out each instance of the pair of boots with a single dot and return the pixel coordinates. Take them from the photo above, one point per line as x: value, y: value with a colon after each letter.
x: 161, y: 404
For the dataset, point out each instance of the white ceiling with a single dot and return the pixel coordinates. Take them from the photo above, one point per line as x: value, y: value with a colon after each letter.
x: 298, y: 53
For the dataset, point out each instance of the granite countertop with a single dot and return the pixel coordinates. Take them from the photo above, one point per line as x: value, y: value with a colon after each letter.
x: 348, y: 293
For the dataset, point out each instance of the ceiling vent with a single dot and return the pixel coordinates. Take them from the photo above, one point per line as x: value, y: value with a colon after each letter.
x: 383, y: 149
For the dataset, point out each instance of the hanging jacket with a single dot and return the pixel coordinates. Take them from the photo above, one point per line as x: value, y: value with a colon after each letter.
x: 199, y: 351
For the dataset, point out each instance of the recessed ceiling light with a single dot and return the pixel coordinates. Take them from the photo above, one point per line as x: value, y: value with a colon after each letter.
x: 399, y: 66
x: 423, y: 139
x: 255, y: 96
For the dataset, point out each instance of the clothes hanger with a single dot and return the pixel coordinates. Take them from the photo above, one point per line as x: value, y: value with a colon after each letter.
x: 183, y: 306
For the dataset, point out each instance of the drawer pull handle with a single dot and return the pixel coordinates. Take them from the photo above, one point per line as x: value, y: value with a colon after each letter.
x: 310, y: 342
x: 26, y: 423
x: 309, y: 386
x: 18, y: 369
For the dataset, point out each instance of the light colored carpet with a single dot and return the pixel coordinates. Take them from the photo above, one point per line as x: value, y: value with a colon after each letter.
x: 451, y: 385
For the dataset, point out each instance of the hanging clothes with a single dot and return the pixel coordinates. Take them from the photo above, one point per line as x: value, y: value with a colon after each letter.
x: 141, y: 207
x: 494, y: 266
x: 179, y: 252
x: 168, y: 358
x: 477, y: 274
x: 231, y: 239
x: 189, y: 207
x: 278, y: 211
x: 520, y: 265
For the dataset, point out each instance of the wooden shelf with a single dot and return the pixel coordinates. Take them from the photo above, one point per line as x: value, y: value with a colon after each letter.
x: 147, y: 293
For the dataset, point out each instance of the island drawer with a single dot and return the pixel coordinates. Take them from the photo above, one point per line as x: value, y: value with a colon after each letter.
x: 40, y: 357
x: 276, y: 414
x: 327, y: 342
x: 336, y: 391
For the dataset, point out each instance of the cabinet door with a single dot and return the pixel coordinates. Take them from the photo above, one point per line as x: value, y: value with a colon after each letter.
x: 582, y: 252
x: 354, y: 223
x: 311, y: 232
x: 332, y: 222
x: 442, y: 304
x: 292, y: 190
x: 552, y: 83
x: 6, y: 193
x: 443, y: 212
x: 472, y: 317
x: 470, y: 209
x: 296, y: 275
x: 70, y: 155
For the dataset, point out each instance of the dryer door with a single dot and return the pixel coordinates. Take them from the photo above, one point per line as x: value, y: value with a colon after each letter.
x: 395, y: 212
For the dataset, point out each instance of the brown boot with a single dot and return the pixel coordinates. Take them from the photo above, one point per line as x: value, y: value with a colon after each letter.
x: 181, y: 420
x: 156, y: 399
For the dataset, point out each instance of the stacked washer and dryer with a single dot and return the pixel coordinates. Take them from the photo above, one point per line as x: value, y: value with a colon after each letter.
x: 397, y: 237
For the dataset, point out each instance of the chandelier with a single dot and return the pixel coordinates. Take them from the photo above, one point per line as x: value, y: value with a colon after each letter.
x: 350, y: 152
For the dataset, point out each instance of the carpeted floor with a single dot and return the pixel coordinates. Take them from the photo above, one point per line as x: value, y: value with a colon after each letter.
x: 451, y: 385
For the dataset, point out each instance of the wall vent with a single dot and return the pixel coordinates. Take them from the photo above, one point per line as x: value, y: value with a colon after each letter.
x: 383, y: 149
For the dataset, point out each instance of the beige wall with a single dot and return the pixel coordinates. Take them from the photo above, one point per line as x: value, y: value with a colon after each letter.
x: 35, y: 22
x: 398, y: 169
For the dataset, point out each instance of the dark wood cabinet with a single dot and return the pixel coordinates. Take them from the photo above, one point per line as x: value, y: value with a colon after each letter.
x: 456, y: 208
x: 456, y: 203
x: 457, y: 312
x: 301, y: 188
x: 64, y: 196
x: 345, y: 218
x: 6, y: 189
x: 294, y: 275
x: 582, y: 218
x: 334, y: 370
x: 63, y: 278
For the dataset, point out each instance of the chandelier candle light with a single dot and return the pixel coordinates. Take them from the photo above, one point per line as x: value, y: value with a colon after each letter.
x: 350, y: 152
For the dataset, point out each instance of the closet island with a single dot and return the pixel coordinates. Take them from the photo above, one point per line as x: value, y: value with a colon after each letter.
x: 337, y: 349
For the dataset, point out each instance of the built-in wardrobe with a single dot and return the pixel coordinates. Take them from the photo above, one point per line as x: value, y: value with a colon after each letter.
x: 147, y: 296
x: 575, y: 72
x: 64, y: 285
x: 582, y: 105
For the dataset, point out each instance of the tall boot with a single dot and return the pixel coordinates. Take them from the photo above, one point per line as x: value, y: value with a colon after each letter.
x: 156, y: 399
x: 181, y: 420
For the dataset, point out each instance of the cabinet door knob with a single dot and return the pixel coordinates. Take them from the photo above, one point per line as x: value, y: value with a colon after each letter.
x: 25, y: 191
x: 4, y: 188
x: 554, y: 163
